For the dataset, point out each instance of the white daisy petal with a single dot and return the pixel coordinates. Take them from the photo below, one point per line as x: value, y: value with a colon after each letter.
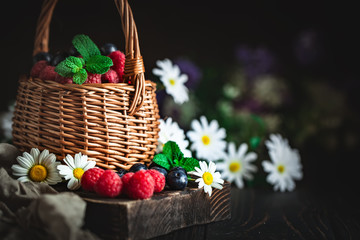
x: 88, y: 165
x: 40, y: 160
x: 23, y: 179
x: 217, y: 185
x: 173, y: 80
x: 69, y: 160
x: 24, y: 162
x: 19, y: 170
x: 73, y: 184
x: 34, y: 152
x: 285, y: 165
x: 237, y: 164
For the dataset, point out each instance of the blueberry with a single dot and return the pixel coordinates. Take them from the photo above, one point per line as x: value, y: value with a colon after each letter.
x: 58, y: 57
x: 42, y: 56
x: 137, y: 167
x: 73, y: 51
x: 108, y: 48
x: 178, y: 169
x: 121, y: 172
x: 177, y: 179
x: 160, y: 169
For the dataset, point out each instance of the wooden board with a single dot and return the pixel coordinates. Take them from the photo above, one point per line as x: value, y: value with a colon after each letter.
x: 123, y: 218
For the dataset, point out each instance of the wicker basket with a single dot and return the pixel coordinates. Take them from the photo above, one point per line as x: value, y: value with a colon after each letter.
x: 116, y: 125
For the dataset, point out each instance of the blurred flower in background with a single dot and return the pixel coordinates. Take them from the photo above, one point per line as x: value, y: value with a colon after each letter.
x: 255, y: 61
x: 6, y: 123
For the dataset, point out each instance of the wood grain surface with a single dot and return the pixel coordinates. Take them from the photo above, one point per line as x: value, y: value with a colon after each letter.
x: 122, y: 218
x: 264, y: 214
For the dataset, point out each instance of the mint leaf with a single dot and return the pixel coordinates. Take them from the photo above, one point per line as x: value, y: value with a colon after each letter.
x: 162, y: 160
x: 189, y: 164
x: 98, y: 64
x: 176, y: 163
x: 85, y: 46
x: 172, y: 151
x: 80, y: 77
x: 69, y: 66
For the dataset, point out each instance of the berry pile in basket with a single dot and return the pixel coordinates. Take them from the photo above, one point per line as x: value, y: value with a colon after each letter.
x: 84, y: 62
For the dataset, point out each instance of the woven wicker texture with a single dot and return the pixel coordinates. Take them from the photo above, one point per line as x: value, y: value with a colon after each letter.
x: 116, y: 125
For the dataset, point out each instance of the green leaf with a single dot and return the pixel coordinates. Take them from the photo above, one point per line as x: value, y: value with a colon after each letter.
x: 85, y: 46
x: 98, y: 64
x: 254, y: 142
x: 80, y: 77
x: 162, y: 160
x: 172, y: 151
x: 189, y: 164
x: 69, y: 66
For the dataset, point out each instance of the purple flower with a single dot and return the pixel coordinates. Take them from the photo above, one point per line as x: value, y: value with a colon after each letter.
x: 189, y: 68
x: 307, y: 47
x: 255, y: 61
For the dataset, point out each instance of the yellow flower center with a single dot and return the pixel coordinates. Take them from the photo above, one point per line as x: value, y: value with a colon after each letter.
x: 281, y: 168
x: 206, y: 140
x: 234, y: 167
x: 208, y: 178
x: 78, y: 172
x: 172, y: 82
x: 38, y: 173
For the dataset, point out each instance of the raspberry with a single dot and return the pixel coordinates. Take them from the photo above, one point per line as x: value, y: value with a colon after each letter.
x: 48, y: 73
x: 93, y: 78
x: 63, y: 80
x: 90, y: 177
x: 159, y: 180
x: 110, y: 77
x: 118, y: 59
x: 141, y: 185
x: 109, y: 184
x: 36, y: 69
x: 125, y: 180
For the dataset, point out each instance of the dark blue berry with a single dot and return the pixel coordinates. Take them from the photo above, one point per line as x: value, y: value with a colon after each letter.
x: 177, y: 179
x: 108, y: 48
x: 178, y: 169
x: 121, y: 172
x: 42, y: 56
x: 137, y: 167
x: 160, y: 169
x: 58, y: 57
x: 73, y: 51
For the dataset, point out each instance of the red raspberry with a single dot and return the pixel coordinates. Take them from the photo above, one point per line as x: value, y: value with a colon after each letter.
x: 110, y: 77
x: 63, y: 80
x: 118, y: 59
x: 37, y: 68
x: 109, y: 184
x: 159, y: 179
x: 48, y: 73
x: 141, y: 185
x: 90, y: 177
x: 93, y: 78
x: 125, y: 180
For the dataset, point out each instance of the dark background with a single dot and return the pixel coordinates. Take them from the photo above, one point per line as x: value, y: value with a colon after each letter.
x: 208, y: 32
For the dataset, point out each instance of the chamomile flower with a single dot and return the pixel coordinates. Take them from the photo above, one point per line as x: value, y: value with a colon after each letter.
x: 170, y: 131
x: 74, y: 169
x: 37, y: 167
x: 207, y: 139
x: 208, y: 177
x: 285, y: 165
x: 173, y: 80
x: 238, y: 164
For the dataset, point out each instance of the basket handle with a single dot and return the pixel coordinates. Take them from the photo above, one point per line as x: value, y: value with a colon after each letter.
x: 134, y: 65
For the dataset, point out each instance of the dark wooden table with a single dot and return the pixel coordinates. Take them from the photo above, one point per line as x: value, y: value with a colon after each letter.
x: 310, y: 212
